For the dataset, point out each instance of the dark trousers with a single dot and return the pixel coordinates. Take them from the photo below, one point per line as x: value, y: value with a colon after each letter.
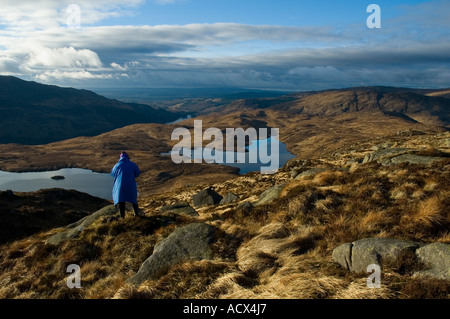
x: 122, y: 209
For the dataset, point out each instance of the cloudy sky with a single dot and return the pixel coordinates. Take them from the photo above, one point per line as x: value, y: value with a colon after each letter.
x: 284, y: 44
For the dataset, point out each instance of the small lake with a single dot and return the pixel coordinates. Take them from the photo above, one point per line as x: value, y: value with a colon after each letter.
x: 82, y: 180
x: 246, y: 166
x: 100, y: 184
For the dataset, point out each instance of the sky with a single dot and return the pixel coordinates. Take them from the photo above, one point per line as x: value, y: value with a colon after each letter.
x: 294, y: 45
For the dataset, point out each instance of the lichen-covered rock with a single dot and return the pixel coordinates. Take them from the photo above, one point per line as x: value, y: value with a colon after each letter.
x: 415, y: 159
x: 270, y: 195
x: 358, y: 255
x: 180, y: 208
x: 74, y: 229
x: 311, y: 172
x: 187, y: 242
x: 436, y: 257
x: 385, y: 153
x: 229, y: 198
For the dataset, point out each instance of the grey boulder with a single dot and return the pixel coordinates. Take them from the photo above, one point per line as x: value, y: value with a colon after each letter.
x: 385, y: 153
x: 74, y: 229
x: 436, y: 258
x: 180, y: 208
x: 206, y: 197
x: 189, y: 242
x: 311, y: 172
x: 415, y: 159
x: 245, y: 207
x: 270, y: 195
x: 358, y: 255
x: 229, y: 198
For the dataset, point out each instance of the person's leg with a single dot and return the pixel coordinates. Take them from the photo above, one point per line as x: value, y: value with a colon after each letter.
x: 122, y: 209
x: 136, y: 209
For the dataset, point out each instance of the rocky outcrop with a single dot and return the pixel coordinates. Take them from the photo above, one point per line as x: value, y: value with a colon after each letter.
x: 358, y: 255
x: 390, y: 156
x: 206, y: 197
x: 385, y: 153
x: 311, y: 172
x: 74, y: 229
x: 229, y: 198
x: 270, y: 195
x: 185, y: 243
x: 245, y: 207
x: 180, y: 208
x: 436, y: 258
x: 415, y: 159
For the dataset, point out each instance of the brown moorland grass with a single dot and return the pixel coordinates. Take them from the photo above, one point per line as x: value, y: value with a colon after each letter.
x: 279, y: 250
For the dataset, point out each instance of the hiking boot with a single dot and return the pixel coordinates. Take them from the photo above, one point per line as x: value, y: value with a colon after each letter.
x: 138, y: 213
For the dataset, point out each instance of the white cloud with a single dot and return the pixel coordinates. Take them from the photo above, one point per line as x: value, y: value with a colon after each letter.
x: 39, y: 14
x: 40, y: 56
x: 127, y: 66
x: 71, y: 75
x: 38, y: 44
x: 118, y: 66
x: 9, y: 66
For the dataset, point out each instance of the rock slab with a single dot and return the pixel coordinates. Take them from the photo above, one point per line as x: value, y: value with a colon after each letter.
x: 229, y: 198
x: 270, y: 195
x: 206, y: 197
x: 358, y: 255
x: 436, y: 257
x: 74, y: 229
x: 180, y: 208
x: 185, y: 243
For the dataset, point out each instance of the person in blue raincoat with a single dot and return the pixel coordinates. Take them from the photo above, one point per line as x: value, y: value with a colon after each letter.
x: 125, y: 188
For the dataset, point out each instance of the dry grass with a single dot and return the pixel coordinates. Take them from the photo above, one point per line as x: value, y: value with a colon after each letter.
x: 108, y: 253
x: 279, y: 250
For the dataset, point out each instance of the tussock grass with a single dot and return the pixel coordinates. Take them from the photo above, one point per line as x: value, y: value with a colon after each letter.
x: 289, y: 256
x: 279, y: 250
x: 108, y: 253
x: 182, y: 281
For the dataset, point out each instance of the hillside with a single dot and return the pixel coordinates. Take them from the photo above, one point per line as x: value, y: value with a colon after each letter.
x: 312, y: 125
x: 25, y: 214
x: 405, y: 103
x: 33, y: 113
x: 425, y: 106
x: 275, y: 238
x: 372, y: 168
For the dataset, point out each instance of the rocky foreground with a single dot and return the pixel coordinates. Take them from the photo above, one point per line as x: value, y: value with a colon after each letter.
x: 309, y: 231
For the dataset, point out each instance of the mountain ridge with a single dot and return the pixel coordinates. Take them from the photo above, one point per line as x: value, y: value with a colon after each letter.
x: 426, y: 106
x: 34, y: 113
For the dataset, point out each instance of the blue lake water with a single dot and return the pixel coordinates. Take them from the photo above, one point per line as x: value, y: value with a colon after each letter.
x: 245, y: 165
x: 100, y: 184
x: 87, y: 181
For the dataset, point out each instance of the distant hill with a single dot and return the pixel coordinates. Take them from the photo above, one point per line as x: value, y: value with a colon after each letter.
x: 430, y: 107
x: 33, y: 113
x: 411, y: 104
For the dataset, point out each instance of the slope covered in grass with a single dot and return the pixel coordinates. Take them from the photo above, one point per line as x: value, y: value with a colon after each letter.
x: 281, y: 249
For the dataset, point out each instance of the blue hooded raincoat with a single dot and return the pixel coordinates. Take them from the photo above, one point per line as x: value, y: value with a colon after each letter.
x: 125, y: 188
